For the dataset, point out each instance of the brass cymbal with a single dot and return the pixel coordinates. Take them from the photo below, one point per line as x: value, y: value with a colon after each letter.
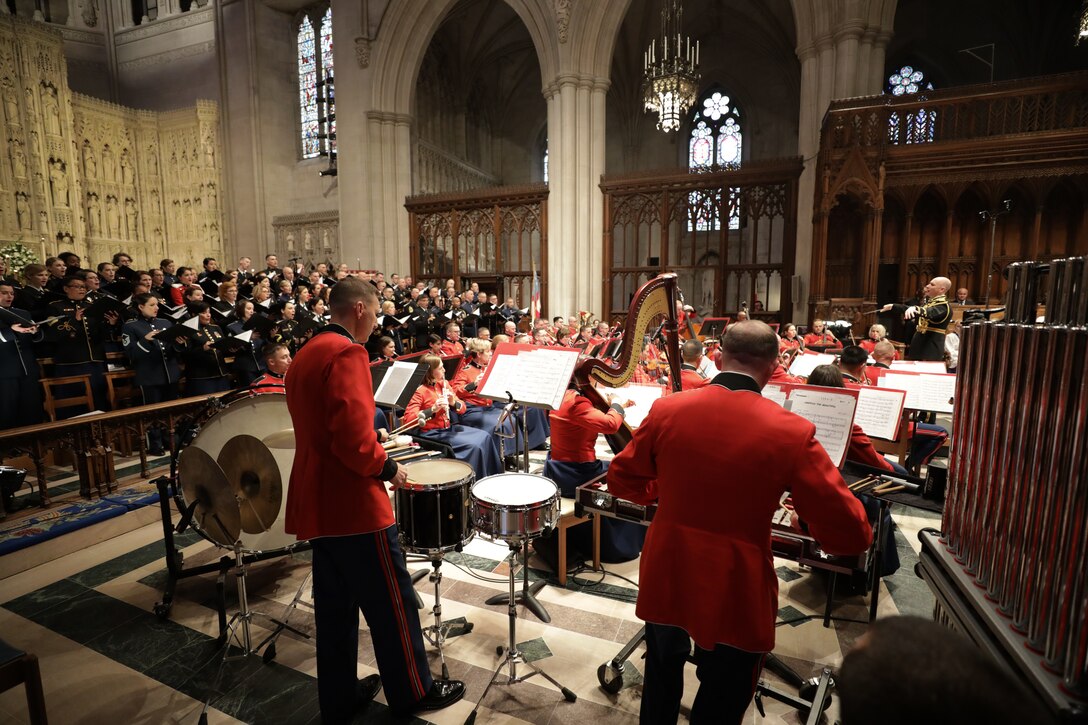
x: 203, y: 481
x: 281, y: 439
x: 255, y: 480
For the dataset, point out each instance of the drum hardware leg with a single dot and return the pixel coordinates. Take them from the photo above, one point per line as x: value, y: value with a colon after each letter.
x: 513, y: 655
x: 610, y: 674
x: 527, y: 595
x: 295, y: 603
x: 436, y: 633
x: 244, y: 616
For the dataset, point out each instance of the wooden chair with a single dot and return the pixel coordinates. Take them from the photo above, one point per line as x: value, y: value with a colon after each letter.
x: 900, y: 447
x: 124, y: 393
x: 21, y: 668
x: 567, y: 519
x: 53, y: 403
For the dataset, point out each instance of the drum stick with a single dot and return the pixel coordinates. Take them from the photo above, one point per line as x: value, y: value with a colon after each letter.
x: 410, y: 456
x: 860, y: 483
x: 405, y: 427
x: 889, y: 489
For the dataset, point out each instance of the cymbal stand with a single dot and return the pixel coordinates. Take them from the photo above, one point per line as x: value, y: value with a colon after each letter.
x: 242, y: 636
x: 527, y: 595
x: 296, y: 602
x: 513, y: 655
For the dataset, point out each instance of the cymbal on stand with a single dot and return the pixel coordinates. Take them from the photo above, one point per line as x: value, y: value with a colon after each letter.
x: 254, y: 477
x: 280, y: 439
x: 203, y: 482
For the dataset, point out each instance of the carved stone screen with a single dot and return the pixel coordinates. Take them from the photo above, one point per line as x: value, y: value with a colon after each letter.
x: 496, y: 237
x: 95, y: 178
x: 656, y: 222
x: 311, y: 238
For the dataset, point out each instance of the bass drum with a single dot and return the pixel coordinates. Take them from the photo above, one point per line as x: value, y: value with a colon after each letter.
x: 229, y: 450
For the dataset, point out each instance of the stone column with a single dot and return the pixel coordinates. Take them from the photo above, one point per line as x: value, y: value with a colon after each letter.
x: 576, y: 152
x: 847, y: 71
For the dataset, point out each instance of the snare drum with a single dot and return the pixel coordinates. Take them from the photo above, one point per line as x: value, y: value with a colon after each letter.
x: 432, y: 508
x: 512, y: 506
x: 249, y: 415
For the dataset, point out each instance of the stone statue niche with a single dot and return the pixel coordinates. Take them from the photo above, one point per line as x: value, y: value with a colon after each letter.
x: 127, y: 176
x: 11, y: 102
x: 113, y: 218
x: 22, y: 210
x: 90, y: 163
x: 51, y: 110
x: 109, y: 168
x: 59, y: 179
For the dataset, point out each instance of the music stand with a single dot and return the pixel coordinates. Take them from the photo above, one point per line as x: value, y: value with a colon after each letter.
x: 714, y: 326
x: 395, y: 383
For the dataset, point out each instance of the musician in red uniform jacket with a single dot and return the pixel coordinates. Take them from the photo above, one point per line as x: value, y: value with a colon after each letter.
x: 573, y: 461
x: 706, y: 570
x: 338, y: 501
x: 451, y: 345
x: 690, y: 376
x: 820, y: 338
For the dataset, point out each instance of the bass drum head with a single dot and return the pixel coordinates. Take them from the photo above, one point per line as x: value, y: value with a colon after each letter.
x: 258, y: 416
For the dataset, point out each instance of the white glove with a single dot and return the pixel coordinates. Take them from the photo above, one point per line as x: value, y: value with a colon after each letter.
x: 911, y: 313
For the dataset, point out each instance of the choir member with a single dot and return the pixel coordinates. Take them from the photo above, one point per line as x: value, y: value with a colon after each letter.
x: 20, y: 393
x: 249, y: 362
x: 153, y: 360
x: 78, y: 340
x: 205, y: 369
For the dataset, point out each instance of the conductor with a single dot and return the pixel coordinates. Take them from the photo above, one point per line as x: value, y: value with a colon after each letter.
x: 934, y: 315
x: 706, y: 571
x: 338, y: 501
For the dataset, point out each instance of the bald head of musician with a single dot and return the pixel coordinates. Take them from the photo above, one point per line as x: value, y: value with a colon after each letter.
x: 900, y: 658
x: 937, y: 286
x: 692, y: 352
x: 353, y: 304
x: 751, y: 348
x: 884, y: 353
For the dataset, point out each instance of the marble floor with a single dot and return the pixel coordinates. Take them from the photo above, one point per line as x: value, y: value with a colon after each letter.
x: 107, y: 658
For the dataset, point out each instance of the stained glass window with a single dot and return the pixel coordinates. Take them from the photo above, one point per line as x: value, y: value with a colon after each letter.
x: 326, y: 68
x: 716, y: 142
x: 307, y: 89
x: 315, y: 62
x: 912, y: 127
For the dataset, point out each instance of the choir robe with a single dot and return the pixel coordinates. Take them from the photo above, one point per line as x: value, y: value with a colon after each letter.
x: 471, y: 445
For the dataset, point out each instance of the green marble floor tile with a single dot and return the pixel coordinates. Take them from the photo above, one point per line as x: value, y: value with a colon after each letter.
x: 87, y: 615
x: 145, y: 641
x: 33, y: 603
x: 272, y: 694
x: 534, y: 649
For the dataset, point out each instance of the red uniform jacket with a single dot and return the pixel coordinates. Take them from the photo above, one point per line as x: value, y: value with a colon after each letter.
x: 824, y: 340
x: 451, y: 348
x: 869, y: 345
x: 466, y: 375
x: 780, y: 375
x: 575, y: 427
x: 690, y: 379
x: 706, y: 565
x: 336, y: 480
x: 425, y: 396
x: 785, y: 343
x: 861, y: 450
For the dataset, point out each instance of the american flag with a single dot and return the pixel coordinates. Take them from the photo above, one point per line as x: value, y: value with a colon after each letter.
x: 534, y: 301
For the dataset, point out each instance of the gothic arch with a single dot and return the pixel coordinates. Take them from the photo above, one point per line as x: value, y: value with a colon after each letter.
x: 407, y: 30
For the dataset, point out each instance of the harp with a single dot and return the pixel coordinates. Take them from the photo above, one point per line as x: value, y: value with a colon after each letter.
x: 654, y: 300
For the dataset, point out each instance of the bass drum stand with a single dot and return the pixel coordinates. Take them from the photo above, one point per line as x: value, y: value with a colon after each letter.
x: 513, y: 655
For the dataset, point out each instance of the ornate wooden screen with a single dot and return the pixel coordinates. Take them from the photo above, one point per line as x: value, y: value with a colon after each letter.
x: 491, y: 236
x: 729, y: 236
x: 902, y: 183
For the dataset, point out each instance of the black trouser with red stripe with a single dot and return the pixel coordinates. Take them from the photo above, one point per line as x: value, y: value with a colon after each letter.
x: 727, y: 679
x: 367, y: 572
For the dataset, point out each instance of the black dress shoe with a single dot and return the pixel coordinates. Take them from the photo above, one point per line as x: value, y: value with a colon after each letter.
x: 443, y: 693
x: 366, y: 690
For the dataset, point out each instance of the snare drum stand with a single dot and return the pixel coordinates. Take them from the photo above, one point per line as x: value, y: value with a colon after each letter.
x: 437, y: 632
x: 527, y: 595
x: 513, y: 655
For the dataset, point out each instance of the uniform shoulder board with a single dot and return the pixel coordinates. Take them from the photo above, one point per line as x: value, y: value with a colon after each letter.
x: 125, y: 339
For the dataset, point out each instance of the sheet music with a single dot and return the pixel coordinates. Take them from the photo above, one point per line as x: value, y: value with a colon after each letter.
x: 924, y: 392
x: 775, y: 392
x: 879, y: 412
x: 392, y: 385
x: 644, y: 397
x: 805, y: 363
x: 833, y: 415
x: 920, y: 366
x: 537, y: 377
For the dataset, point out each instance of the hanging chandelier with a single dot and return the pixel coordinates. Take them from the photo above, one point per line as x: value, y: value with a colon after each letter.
x: 670, y: 84
x: 1082, y: 30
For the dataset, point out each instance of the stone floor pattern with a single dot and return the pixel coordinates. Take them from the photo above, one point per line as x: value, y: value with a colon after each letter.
x: 107, y: 658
